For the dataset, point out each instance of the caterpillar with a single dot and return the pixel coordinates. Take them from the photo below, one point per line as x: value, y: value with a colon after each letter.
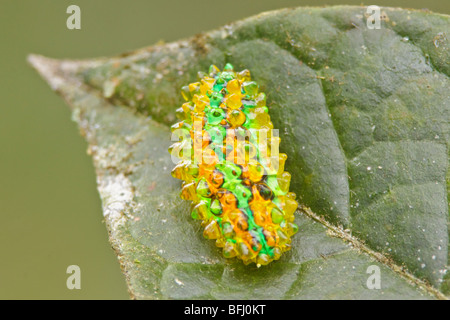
x: 233, y: 176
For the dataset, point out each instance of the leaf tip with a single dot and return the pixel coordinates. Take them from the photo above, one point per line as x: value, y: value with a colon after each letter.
x: 56, y: 72
x: 47, y: 68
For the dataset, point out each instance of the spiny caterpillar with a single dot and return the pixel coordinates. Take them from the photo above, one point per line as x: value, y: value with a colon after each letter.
x: 227, y: 167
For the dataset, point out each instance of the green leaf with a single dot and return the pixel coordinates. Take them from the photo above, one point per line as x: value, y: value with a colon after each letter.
x: 364, y: 117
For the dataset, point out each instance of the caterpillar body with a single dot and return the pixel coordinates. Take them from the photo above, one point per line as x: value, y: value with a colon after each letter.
x: 234, y: 177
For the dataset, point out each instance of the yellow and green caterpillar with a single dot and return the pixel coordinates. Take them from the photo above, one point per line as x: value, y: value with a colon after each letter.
x: 242, y: 199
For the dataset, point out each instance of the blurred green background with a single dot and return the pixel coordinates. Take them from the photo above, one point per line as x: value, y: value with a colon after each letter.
x: 51, y: 215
